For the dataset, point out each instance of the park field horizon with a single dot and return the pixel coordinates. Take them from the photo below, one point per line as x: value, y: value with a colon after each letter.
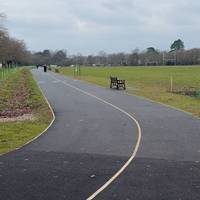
x: 152, y: 82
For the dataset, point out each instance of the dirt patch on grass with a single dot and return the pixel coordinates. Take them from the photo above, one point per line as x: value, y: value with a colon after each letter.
x: 24, y: 110
x: 15, y: 104
x: 25, y: 117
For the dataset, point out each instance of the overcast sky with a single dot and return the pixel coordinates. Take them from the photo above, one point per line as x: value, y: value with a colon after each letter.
x: 89, y: 26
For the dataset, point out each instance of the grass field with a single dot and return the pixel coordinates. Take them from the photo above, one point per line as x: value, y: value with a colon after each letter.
x: 15, y: 134
x: 4, y: 73
x: 150, y: 82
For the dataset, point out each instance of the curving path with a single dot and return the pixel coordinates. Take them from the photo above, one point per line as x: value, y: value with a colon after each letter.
x: 90, y: 141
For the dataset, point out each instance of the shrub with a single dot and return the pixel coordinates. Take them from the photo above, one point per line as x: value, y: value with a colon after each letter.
x: 57, y: 70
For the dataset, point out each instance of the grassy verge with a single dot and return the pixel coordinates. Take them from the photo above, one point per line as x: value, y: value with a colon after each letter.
x: 5, y: 72
x: 149, y: 82
x: 15, y: 134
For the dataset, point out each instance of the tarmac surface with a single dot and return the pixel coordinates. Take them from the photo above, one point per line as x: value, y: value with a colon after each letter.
x: 90, y: 141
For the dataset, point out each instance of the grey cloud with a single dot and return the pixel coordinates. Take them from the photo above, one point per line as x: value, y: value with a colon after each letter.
x: 116, y: 25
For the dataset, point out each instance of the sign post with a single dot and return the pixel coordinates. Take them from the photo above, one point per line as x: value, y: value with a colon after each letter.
x: 77, y: 70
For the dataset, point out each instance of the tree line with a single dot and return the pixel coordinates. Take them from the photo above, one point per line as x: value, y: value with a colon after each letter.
x: 14, y: 52
x: 177, y: 55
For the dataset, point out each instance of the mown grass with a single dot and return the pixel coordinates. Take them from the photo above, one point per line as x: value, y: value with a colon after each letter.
x: 15, y: 134
x: 5, y: 72
x: 149, y: 82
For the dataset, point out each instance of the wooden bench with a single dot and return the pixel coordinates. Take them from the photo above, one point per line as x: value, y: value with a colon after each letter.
x: 115, y: 82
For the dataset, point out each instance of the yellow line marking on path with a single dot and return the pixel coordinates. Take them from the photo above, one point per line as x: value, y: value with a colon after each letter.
x: 115, y: 176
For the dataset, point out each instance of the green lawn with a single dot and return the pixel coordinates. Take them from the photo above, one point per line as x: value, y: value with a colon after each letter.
x: 4, y: 73
x: 149, y: 82
x: 15, y: 134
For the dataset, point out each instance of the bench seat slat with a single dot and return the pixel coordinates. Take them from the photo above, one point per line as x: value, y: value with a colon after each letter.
x: 115, y: 82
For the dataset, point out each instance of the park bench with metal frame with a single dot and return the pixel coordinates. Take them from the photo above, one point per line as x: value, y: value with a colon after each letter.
x: 115, y: 82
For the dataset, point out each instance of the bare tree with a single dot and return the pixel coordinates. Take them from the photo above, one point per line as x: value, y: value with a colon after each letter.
x: 12, y: 51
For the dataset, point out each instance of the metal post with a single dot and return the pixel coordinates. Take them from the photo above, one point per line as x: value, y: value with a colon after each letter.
x: 171, y: 84
x: 163, y: 58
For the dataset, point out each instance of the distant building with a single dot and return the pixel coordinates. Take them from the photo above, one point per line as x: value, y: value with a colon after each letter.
x: 53, y: 65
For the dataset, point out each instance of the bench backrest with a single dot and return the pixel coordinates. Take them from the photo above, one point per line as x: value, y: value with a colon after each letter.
x: 113, y: 79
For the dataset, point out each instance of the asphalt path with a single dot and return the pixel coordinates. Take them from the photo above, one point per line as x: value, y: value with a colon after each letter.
x: 91, y: 140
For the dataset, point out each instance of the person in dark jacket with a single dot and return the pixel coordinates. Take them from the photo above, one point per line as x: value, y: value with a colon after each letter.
x: 45, y: 68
